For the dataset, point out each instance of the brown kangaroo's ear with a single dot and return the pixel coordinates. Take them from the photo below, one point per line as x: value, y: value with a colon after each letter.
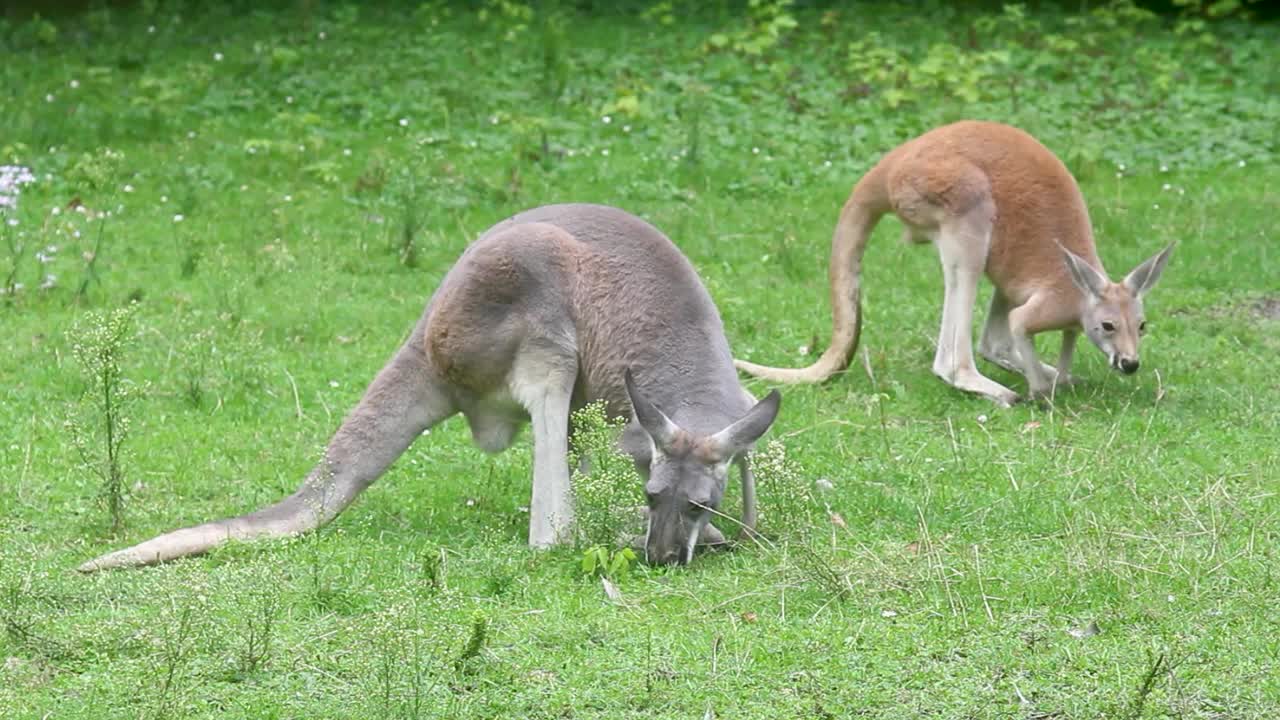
x: 1145, y: 276
x: 655, y: 423
x: 742, y: 434
x: 1085, y: 276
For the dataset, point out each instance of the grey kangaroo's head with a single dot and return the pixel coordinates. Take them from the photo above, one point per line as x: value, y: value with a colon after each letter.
x: 1113, y: 318
x: 687, y: 473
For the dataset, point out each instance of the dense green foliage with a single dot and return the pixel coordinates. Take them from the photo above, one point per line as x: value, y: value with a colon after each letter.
x: 279, y: 191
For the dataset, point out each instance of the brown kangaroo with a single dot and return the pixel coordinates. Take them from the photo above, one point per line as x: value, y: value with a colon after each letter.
x: 993, y: 200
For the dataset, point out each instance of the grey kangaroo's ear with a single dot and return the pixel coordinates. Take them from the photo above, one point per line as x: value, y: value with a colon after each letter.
x: 655, y: 423
x: 1145, y: 276
x: 740, y: 435
x: 1084, y: 275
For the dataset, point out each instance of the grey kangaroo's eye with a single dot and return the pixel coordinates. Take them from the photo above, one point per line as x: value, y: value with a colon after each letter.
x: 1109, y: 327
x: 1142, y: 326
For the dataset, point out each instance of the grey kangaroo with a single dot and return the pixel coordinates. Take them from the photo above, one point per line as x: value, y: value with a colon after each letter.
x: 549, y: 310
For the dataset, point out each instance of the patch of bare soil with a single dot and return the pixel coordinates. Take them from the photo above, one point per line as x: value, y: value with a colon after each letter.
x: 1267, y: 308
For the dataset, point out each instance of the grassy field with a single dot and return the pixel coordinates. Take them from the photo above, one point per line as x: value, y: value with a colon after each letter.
x: 281, y: 190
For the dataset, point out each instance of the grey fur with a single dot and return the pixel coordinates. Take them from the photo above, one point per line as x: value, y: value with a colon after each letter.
x: 542, y: 314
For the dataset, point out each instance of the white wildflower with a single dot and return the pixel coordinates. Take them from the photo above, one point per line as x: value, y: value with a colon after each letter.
x: 404, y: 122
x: 217, y: 57
x: 178, y: 218
x: 606, y: 119
x: 12, y: 178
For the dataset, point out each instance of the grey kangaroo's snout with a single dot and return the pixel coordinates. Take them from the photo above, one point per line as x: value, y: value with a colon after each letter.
x: 671, y: 537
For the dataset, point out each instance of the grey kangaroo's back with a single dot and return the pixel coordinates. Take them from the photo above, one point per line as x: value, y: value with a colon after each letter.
x: 629, y: 282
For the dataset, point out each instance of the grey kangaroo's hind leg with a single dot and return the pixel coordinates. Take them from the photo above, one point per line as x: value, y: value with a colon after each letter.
x: 962, y: 247
x: 543, y: 383
x: 403, y: 400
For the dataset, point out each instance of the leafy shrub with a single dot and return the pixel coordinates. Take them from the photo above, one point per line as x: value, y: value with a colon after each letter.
x: 606, y: 486
x: 101, y: 423
x: 787, y: 504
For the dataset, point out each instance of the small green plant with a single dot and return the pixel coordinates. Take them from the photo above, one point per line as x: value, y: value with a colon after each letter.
x: 91, y: 259
x: 817, y: 566
x: 96, y: 170
x: 606, y: 486
x: 20, y: 617
x: 768, y: 22
x: 175, y: 646
x: 788, y: 506
x: 100, y: 425
x: 694, y: 99
x: 432, y: 563
x: 16, y: 246
x: 407, y: 670
x: 261, y: 608
x: 476, y: 640
x: 599, y: 561
x: 196, y: 352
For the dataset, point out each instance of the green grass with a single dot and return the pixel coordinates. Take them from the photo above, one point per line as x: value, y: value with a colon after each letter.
x: 974, y: 540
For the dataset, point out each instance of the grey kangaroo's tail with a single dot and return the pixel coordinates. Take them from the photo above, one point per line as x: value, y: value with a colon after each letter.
x: 866, y: 204
x: 401, y: 402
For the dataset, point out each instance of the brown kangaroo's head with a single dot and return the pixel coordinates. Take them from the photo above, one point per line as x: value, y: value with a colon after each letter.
x: 1113, y: 318
x: 688, y: 472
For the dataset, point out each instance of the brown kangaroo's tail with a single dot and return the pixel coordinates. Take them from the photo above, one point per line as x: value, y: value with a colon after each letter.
x: 402, y: 401
x: 866, y: 204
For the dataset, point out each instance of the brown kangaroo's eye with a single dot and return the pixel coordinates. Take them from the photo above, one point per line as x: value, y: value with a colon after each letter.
x: 1109, y: 327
